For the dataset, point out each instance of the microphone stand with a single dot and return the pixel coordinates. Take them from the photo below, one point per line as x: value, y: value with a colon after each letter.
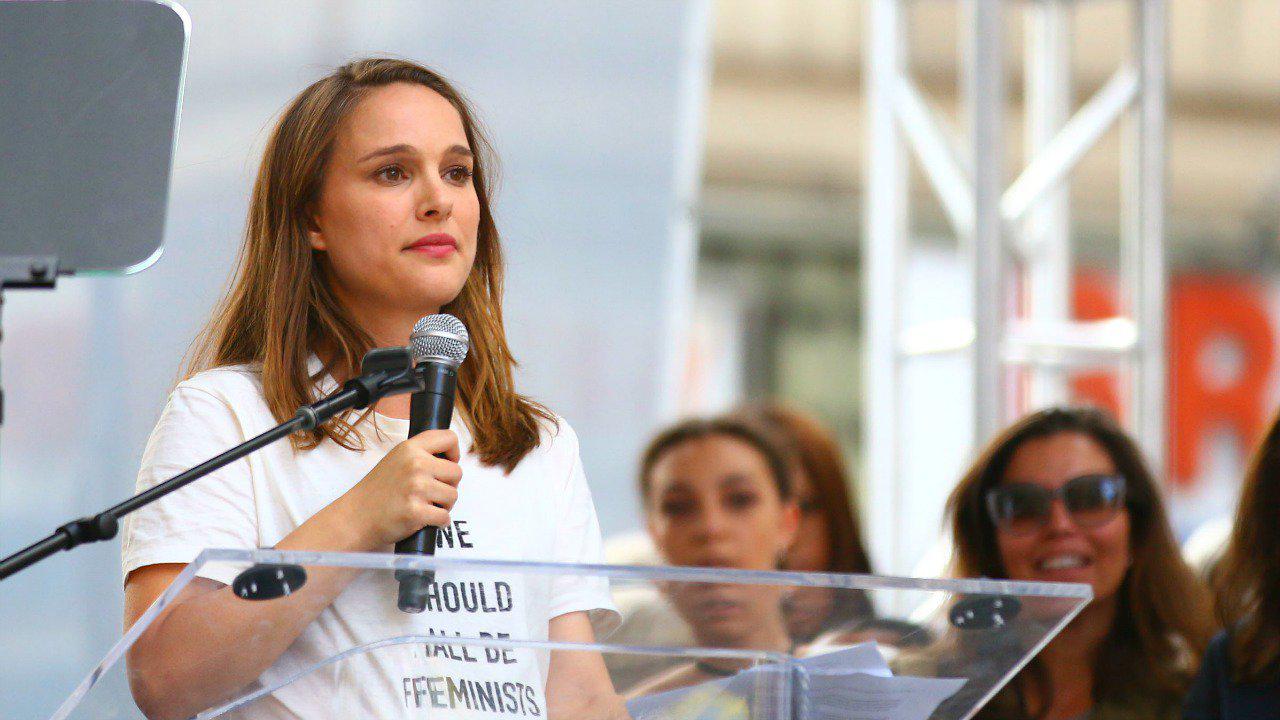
x: 384, y: 371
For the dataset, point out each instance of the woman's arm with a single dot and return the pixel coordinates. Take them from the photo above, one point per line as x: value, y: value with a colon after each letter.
x: 210, y: 645
x: 578, y: 685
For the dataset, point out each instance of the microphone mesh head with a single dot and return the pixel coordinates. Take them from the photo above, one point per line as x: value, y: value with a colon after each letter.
x: 440, y: 337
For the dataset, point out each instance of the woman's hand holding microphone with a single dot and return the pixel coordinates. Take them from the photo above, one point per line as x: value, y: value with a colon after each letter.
x: 406, y: 491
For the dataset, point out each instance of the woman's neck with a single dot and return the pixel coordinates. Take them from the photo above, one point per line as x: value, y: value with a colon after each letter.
x: 387, y: 329
x: 768, y: 636
x: 396, y: 406
x: 1069, y: 660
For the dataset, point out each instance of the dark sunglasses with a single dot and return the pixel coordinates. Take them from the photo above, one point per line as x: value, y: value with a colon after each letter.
x: 1021, y: 508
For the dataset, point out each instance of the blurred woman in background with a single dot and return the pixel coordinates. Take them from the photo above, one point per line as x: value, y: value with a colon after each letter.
x: 829, y: 538
x: 1064, y: 495
x: 1241, y: 673
x: 717, y: 494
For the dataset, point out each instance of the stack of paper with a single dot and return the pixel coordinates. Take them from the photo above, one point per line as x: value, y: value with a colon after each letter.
x: 851, y: 684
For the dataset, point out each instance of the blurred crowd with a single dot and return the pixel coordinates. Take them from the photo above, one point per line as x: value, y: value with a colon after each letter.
x: 1062, y: 495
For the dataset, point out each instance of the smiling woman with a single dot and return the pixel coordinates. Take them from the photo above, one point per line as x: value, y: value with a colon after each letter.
x: 371, y: 209
x: 1063, y: 495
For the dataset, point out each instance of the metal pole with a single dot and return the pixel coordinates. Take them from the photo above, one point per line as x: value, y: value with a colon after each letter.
x: 1047, y: 227
x: 1034, y: 211
x: 939, y: 155
x: 984, y: 91
x: 683, y: 259
x: 1080, y: 134
x: 885, y: 232
x: 1143, y: 235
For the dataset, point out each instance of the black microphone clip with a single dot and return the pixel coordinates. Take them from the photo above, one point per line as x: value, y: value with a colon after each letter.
x: 383, y: 371
x: 387, y: 371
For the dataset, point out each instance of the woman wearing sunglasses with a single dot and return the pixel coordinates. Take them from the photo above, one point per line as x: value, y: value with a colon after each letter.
x: 1241, y: 673
x: 1064, y: 495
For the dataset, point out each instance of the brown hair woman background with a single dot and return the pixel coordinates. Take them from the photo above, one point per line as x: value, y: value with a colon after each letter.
x: 1240, y: 677
x: 1040, y: 503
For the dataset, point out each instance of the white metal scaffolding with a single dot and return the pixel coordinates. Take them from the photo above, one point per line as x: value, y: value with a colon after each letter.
x: 1020, y: 232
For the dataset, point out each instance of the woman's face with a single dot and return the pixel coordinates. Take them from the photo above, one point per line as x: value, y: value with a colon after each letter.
x: 713, y: 503
x: 397, y: 216
x: 1062, y: 550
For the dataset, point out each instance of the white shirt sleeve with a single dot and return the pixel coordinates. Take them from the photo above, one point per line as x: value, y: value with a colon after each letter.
x: 577, y: 540
x: 217, y: 510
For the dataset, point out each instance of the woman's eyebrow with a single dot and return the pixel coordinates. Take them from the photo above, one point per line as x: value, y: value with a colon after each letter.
x: 462, y: 150
x: 389, y: 150
x: 735, y: 478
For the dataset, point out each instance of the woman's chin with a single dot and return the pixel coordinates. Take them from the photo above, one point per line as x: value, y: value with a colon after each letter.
x: 431, y: 298
x: 1083, y: 575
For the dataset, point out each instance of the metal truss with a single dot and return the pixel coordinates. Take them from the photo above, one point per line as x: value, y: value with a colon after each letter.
x: 1015, y: 239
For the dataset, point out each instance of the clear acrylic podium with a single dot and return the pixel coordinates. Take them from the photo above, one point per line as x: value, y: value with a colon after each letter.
x: 696, y: 644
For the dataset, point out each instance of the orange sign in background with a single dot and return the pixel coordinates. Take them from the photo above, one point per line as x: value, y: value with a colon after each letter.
x: 1221, y: 344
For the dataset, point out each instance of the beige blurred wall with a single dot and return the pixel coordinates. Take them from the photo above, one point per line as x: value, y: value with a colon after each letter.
x: 785, y: 122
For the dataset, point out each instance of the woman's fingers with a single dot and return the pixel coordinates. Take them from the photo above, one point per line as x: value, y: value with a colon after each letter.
x: 435, y: 491
x: 437, y: 442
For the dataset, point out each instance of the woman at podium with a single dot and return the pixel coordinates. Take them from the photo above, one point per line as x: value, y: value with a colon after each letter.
x: 371, y: 209
x: 1064, y: 495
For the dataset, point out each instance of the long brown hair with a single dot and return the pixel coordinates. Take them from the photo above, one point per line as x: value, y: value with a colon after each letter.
x: 280, y: 308
x: 819, y: 457
x: 1247, y: 579
x: 816, y: 451
x: 1162, y: 624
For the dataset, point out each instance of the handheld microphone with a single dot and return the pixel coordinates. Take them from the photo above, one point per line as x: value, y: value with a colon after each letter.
x: 440, y: 345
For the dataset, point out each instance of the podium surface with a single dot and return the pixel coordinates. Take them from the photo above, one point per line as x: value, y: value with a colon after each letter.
x: 699, y: 643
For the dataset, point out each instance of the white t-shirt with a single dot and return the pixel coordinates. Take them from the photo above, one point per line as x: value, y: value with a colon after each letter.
x: 540, y: 511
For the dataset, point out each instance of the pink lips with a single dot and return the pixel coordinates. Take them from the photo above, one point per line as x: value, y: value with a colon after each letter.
x: 436, y: 245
